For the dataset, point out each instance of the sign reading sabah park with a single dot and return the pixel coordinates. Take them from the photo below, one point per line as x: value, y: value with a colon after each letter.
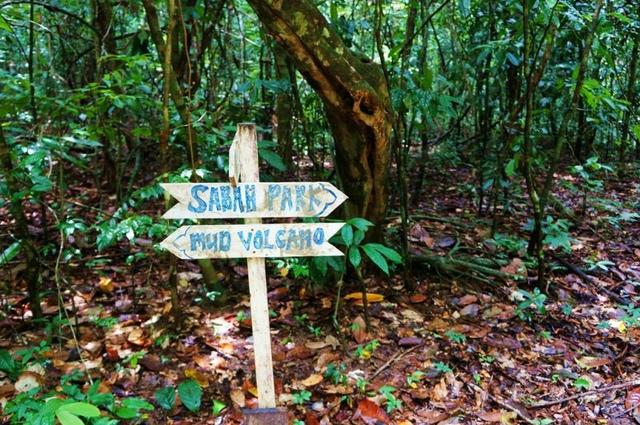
x: 253, y: 200
x: 222, y: 200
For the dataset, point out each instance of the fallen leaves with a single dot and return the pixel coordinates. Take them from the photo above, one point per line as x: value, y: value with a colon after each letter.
x: 588, y: 362
x: 105, y: 285
x: 359, y: 330
x: 313, y: 380
x: 417, y: 298
x: 501, y: 416
x: 356, y: 297
x: 28, y: 381
x: 197, y: 376
x: 632, y: 401
x: 136, y: 337
x: 370, y: 413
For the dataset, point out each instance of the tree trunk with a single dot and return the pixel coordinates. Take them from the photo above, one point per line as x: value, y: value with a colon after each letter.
x: 284, y: 107
x: 177, y: 95
x: 32, y: 272
x: 105, y: 43
x: 630, y: 96
x: 355, y: 97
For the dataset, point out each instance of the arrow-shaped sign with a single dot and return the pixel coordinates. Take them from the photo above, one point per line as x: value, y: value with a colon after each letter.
x: 251, y: 200
x: 253, y: 240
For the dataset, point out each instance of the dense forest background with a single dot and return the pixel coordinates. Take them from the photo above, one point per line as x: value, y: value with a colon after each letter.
x: 487, y: 147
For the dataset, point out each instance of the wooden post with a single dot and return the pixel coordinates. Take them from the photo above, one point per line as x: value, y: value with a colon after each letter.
x: 314, y: 199
x: 244, y: 164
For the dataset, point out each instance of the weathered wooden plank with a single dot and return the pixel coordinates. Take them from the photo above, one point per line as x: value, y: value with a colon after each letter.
x: 247, y: 167
x: 255, y: 199
x: 253, y: 240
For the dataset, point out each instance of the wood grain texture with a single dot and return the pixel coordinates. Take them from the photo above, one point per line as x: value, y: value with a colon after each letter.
x: 247, y: 151
x: 253, y: 240
x: 247, y: 200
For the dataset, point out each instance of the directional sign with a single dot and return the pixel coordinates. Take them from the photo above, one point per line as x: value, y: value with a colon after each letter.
x: 253, y: 240
x: 251, y: 200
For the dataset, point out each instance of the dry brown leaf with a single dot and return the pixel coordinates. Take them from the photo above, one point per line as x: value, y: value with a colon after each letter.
x: 413, y: 315
x: 417, y: 298
x: 359, y: 330
x: 430, y: 417
x: 467, y: 299
x: 632, y: 399
x: 6, y: 389
x: 313, y: 379
x: 105, y: 285
x: 495, y: 415
x: 93, y: 347
x: 237, y: 396
x: 27, y: 381
x: 136, y: 336
x: 198, y: 376
x: 513, y: 267
x: 371, y: 413
x: 589, y: 362
x: 357, y: 298
x: 332, y: 340
x: 310, y: 419
x: 440, y: 392
x: 151, y: 362
x: 315, y: 345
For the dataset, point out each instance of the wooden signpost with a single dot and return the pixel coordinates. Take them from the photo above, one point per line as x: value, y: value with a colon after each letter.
x: 245, y: 197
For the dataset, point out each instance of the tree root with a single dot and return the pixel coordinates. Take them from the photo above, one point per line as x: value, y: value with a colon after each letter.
x: 469, y: 267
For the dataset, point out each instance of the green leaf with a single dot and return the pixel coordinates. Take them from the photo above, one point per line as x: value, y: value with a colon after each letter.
x: 426, y: 82
x: 217, y: 407
x: 67, y: 418
x: 510, y: 169
x: 166, y: 397
x: 81, y: 409
x: 333, y: 12
x: 354, y: 256
x: 190, y: 394
x: 347, y: 234
x: 10, y: 253
x: 360, y: 223
x: 376, y: 257
x: 137, y: 404
x: 358, y: 237
x: 582, y: 383
x: 7, y: 364
x: 34, y: 158
x: 127, y: 413
x: 273, y: 159
x: 4, y: 24
x: 321, y: 264
x: 390, y: 253
x: 41, y: 184
x: 386, y: 389
x: 636, y: 131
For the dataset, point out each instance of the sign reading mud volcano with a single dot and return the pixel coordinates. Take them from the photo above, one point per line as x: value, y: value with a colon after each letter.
x: 253, y: 240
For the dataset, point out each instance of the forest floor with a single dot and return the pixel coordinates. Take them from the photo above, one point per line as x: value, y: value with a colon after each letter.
x: 459, y: 349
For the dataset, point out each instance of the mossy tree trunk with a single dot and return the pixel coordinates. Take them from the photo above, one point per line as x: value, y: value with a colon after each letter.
x: 355, y: 97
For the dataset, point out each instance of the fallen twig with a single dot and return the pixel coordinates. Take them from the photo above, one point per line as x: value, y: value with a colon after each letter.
x: 622, y: 385
x: 624, y: 412
x: 392, y: 360
x: 504, y: 404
